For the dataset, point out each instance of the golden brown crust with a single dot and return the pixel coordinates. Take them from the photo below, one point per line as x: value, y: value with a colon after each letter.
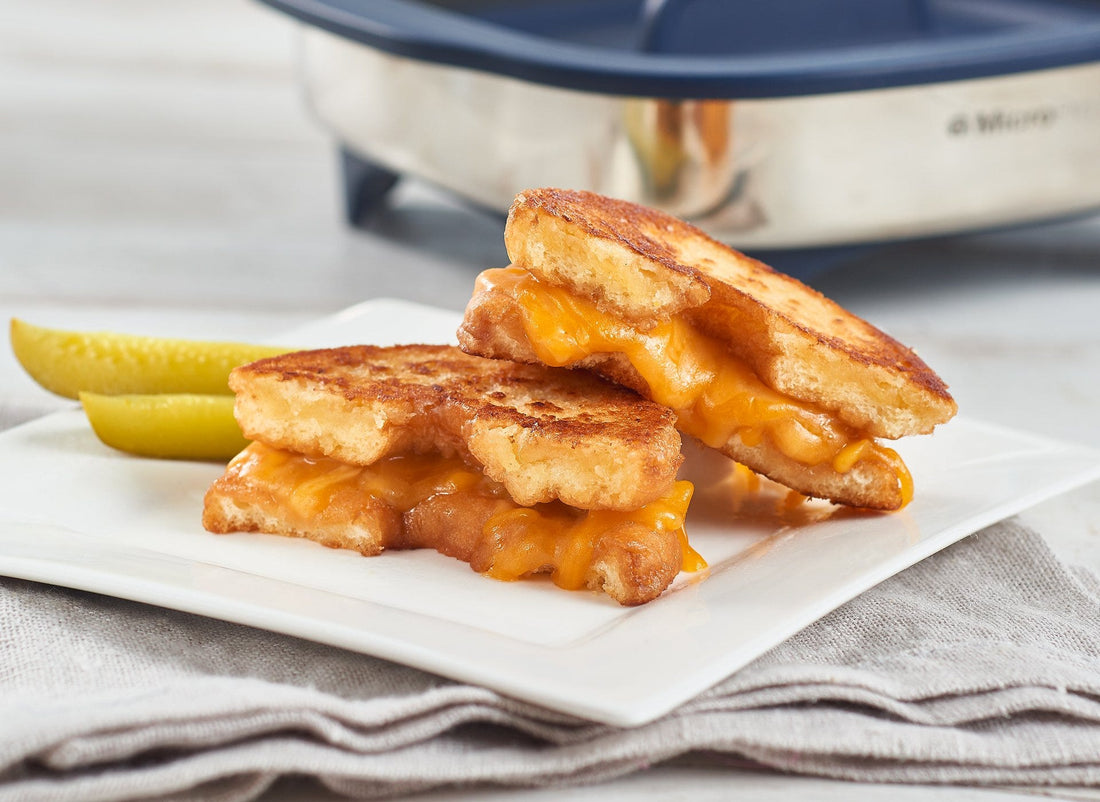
x: 493, y: 327
x: 632, y: 564
x: 544, y: 433
x: 645, y: 266
x: 613, y: 252
x: 240, y: 502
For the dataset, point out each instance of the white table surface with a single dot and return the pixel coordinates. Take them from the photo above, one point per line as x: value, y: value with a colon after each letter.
x: 159, y: 174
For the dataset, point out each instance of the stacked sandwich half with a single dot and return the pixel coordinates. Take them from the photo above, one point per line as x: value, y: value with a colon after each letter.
x: 754, y: 363
x: 515, y: 469
x: 551, y: 445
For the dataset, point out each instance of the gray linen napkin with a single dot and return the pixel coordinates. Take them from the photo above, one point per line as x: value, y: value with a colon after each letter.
x: 979, y: 665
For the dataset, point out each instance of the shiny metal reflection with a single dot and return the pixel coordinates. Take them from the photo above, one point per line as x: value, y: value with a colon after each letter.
x: 762, y: 173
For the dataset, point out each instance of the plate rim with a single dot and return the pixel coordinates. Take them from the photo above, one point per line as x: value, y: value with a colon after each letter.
x: 391, y: 640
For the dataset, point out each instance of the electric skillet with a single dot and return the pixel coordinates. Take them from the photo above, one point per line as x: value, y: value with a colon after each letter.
x: 773, y: 125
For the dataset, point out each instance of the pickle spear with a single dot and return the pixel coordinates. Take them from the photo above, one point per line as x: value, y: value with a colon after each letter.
x: 67, y: 362
x: 168, y: 426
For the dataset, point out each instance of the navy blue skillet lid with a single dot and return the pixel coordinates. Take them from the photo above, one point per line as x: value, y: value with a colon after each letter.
x: 721, y: 48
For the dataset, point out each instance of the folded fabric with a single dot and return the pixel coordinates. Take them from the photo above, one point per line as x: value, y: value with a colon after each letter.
x: 980, y: 665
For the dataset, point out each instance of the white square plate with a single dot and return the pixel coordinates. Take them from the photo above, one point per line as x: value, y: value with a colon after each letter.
x: 75, y: 513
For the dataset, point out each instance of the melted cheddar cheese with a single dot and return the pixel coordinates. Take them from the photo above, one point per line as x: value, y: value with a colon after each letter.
x: 515, y: 541
x: 310, y: 485
x: 715, y: 395
x: 530, y: 538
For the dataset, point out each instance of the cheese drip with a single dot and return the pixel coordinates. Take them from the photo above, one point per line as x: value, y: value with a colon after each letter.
x: 514, y: 541
x: 715, y: 395
x: 530, y: 538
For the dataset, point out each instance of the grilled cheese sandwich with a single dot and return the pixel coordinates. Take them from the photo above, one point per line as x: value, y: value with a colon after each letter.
x: 384, y: 448
x: 753, y: 363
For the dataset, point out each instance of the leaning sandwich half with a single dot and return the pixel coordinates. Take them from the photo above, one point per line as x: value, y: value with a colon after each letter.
x: 516, y: 469
x: 753, y: 362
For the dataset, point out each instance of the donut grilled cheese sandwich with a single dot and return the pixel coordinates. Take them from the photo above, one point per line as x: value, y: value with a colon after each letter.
x: 516, y: 469
x: 753, y: 362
